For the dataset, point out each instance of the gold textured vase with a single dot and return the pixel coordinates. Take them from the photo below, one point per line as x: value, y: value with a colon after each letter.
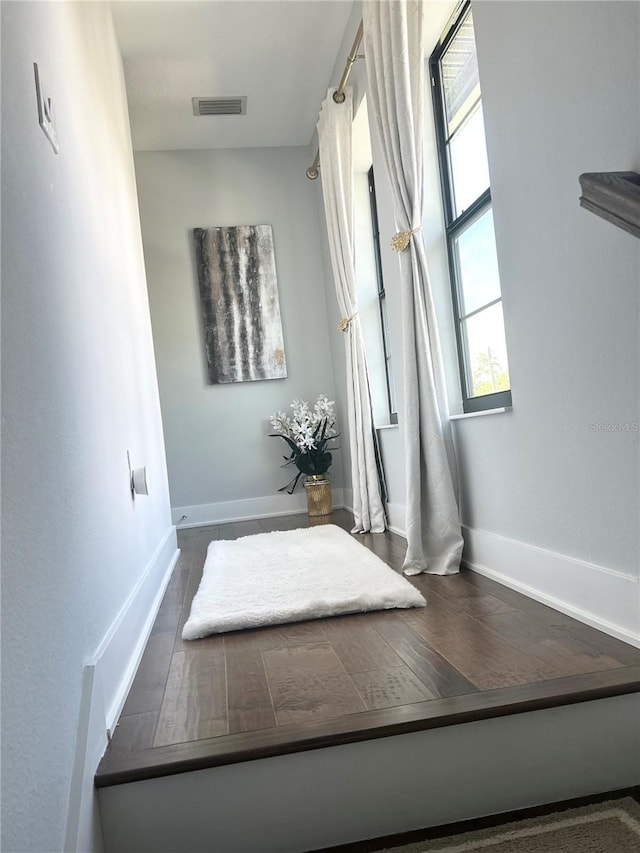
x: 318, y: 491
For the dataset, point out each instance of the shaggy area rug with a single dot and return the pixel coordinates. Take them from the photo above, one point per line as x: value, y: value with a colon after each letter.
x: 610, y: 827
x: 291, y: 575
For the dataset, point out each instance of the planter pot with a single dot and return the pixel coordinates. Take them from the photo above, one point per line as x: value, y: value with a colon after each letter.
x: 318, y: 491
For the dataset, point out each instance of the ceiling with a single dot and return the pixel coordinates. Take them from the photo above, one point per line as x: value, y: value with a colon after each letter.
x: 279, y: 53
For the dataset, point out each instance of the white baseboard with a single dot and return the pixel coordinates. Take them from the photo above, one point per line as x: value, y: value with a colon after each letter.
x: 603, y: 598
x: 106, y: 680
x: 118, y: 656
x: 83, y: 830
x: 248, y: 509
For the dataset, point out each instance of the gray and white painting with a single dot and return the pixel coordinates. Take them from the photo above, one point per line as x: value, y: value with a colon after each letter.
x: 240, y: 306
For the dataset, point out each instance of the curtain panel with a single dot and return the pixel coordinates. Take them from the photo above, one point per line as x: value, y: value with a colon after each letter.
x: 335, y: 145
x: 394, y: 57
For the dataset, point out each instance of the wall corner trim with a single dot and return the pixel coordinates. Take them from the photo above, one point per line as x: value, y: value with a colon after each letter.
x: 396, y: 519
x: 348, y: 499
x: 604, y: 598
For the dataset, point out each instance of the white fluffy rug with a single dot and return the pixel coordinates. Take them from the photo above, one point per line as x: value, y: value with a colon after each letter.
x: 291, y: 575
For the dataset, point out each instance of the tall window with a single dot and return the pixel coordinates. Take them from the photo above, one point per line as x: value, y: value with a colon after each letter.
x: 372, y: 302
x: 382, y: 301
x: 464, y: 173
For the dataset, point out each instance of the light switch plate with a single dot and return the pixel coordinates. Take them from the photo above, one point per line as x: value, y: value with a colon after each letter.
x: 45, y: 111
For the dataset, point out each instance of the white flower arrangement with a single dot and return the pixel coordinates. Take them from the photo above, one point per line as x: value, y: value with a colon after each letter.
x: 307, y: 432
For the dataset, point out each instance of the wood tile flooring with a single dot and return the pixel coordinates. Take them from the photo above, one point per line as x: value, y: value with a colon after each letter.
x: 478, y: 649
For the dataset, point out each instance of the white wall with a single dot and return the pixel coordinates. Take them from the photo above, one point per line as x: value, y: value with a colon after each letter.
x: 543, y: 475
x: 79, y: 389
x: 570, y: 282
x: 218, y: 448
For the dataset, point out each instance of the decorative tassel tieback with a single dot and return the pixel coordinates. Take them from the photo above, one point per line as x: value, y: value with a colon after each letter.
x: 344, y: 324
x: 401, y: 240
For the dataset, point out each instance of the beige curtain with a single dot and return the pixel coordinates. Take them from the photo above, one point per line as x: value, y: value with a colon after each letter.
x: 394, y: 56
x: 335, y: 138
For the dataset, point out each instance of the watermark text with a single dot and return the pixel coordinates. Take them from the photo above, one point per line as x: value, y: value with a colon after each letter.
x: 628, y: 426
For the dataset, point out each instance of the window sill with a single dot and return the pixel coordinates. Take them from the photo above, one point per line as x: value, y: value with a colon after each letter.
x: 499, y: 411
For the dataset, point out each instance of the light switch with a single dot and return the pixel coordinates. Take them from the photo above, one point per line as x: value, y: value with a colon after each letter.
x: 45, y: 111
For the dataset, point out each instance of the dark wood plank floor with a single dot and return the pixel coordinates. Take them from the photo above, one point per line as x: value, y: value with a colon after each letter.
x: 478, y: 649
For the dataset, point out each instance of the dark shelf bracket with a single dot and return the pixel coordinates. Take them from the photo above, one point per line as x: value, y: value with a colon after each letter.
x: 615, y: 196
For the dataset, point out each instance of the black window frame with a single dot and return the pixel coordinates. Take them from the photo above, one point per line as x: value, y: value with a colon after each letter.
x: 455, y: 225
x: 382, y: 300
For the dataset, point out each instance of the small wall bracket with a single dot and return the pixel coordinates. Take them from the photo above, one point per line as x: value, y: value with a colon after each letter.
x: 615, y: 196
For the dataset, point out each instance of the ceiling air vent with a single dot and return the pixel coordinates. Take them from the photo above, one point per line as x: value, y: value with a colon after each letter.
x: 219, y: 106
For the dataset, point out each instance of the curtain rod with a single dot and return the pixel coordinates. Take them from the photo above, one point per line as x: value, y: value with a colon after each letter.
x: 338, y: 95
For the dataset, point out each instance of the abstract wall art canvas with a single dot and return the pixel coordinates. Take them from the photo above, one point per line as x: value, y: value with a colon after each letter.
x: 240, y: 305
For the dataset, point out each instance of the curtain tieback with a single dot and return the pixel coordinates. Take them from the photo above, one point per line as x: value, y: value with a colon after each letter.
x: 402, y: 238
x: 344, y: 324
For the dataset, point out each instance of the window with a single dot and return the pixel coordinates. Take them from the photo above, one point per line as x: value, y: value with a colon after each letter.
x: 382, y: 302
x: 372, y: 303
x: 464, y: 173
